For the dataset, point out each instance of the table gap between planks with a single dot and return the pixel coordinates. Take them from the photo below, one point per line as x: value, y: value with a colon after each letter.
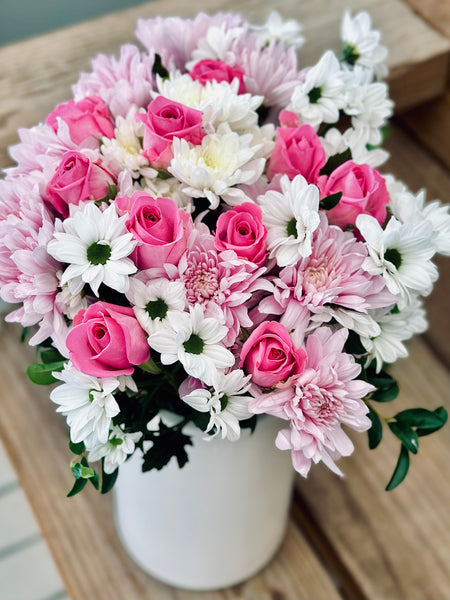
x: 347, y: 538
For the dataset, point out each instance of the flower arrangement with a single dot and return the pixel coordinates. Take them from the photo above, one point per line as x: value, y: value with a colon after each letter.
x: 201, y: 235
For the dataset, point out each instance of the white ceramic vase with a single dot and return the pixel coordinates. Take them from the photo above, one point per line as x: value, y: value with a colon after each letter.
x: 213, y: 523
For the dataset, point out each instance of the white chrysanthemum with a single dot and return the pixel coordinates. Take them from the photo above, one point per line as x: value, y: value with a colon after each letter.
x: 152, y: 301
x: 276, y: 28
x: 217, y: 45
x: 367, y: 103
x: 96, y: 245
x: 115, y: 450
x: 219, y: 101
x: 227, y: 403
x: 335, y: 142
x: 87, y: 403
x: 362, y: 44
x: 291, y: 217
x: 70, y: 304
x: 395, y: 328
x: 195, y: 341
x: 319, y: 98
x: 402, y: 254
x: 412, y: 208
x: 123, y: 152
x: 212, y: 169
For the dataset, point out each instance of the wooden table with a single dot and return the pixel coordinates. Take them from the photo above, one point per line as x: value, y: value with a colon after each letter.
x: 347, y: 538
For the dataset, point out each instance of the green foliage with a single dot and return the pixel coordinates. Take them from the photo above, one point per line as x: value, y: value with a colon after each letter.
x: 336, y: 161
x: 167, y: 442
x: 158, y: 68
x: 400, y: 471
x: 331, y: 201
x: 387, y: 388
x: 108, y: 479
x: 406, y: 435
x: 375, y: 433
x: 41, y: 373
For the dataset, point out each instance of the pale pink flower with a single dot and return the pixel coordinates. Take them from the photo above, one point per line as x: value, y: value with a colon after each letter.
x: 221, y: 282
x: 119, y: 82
x: 175, y: 39
x: 28, y: 274
x: 323, y: 397
x: 331, y: 282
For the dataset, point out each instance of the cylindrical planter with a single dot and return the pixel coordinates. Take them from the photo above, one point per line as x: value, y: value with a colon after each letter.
x: 215, y: 522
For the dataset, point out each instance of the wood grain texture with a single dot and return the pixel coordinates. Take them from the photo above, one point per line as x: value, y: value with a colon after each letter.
x: 80, y: 531
x: 38, y: 73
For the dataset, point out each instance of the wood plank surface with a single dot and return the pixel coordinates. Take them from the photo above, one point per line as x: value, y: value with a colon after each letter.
x: 36, y: 74
x: 80, y: 531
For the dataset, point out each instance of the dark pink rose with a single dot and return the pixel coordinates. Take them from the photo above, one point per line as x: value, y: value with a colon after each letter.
x: 86, y: 118
x: 241, y: 229
x: 77, y: 179
x: 106, y: 341
x: 363, y: 191
x: 164, y: 120
x: 297, y: 151
x: 217, y: 70
x: 159, y: 226
x: 270, y: 356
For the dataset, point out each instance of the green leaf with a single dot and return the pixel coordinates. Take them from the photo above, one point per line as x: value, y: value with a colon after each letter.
x: 158, y: 68
x: 108, y: 479
x: 442, y: 413
x: 353, y: 344
x: 421, y: 417
x: 82, y: 471
x: 331, y: 201
x: 249, y: 423
x: 406, y: 435
x: 51, y: 356
x: 386, y: 394
x: 76, y: 448
x: 42, y: 373
x: 77, y: 487
x: 150, y: 367
x: 95, y: 481
x: 401, y: 469
x: 336, y: 161
x: 375, y: 433
x: 169, y: 443
x: 379, y: 380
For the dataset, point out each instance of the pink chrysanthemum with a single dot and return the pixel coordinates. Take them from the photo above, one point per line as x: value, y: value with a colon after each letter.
x: 121, y: 82
x: 27, y: 273
x: 221, y: 282
x: 175, y: 39
x: 323, y: 397
x: 331, y: 282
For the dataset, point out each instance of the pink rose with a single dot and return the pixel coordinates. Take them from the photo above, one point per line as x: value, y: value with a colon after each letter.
x: 160, y: 227
x: 241, y: 229
x: 106, y: 341
x: 86, y: 118
x: 77, y: 179
x: 297, y: 151
x: 217, y: 70
x: 166, y: 119
x: 270, y: 356
x: 363, y: 191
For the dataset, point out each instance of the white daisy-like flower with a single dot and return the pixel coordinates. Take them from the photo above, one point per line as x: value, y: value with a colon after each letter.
x: 195, y: 341
x: 219, y: 101
x: 320, y: 96
x: 212, y: 169
x: 227, y: 403
x: 217, y: 44
x: 96, y: 245
x: 362, y: 44
x: 367, y: 103
x: 291, y: 217
x: 396, y: 326
x: 335, y: 142
x: 123, y: 151
x: 276, y: 28
x: 402, y: 254
x: 413, y: 208
x: 87, y: 403
x: 70, y: 304
x: 152, y: 301
x: 116, y: 449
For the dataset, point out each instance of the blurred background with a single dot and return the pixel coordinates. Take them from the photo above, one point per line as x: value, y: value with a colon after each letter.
x: 20, y: 19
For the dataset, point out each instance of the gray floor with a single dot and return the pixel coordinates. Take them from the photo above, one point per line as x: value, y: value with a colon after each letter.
x: 21, y: 19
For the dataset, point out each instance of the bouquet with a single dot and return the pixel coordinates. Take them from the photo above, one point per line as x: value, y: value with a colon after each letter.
x: 202, y: 236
